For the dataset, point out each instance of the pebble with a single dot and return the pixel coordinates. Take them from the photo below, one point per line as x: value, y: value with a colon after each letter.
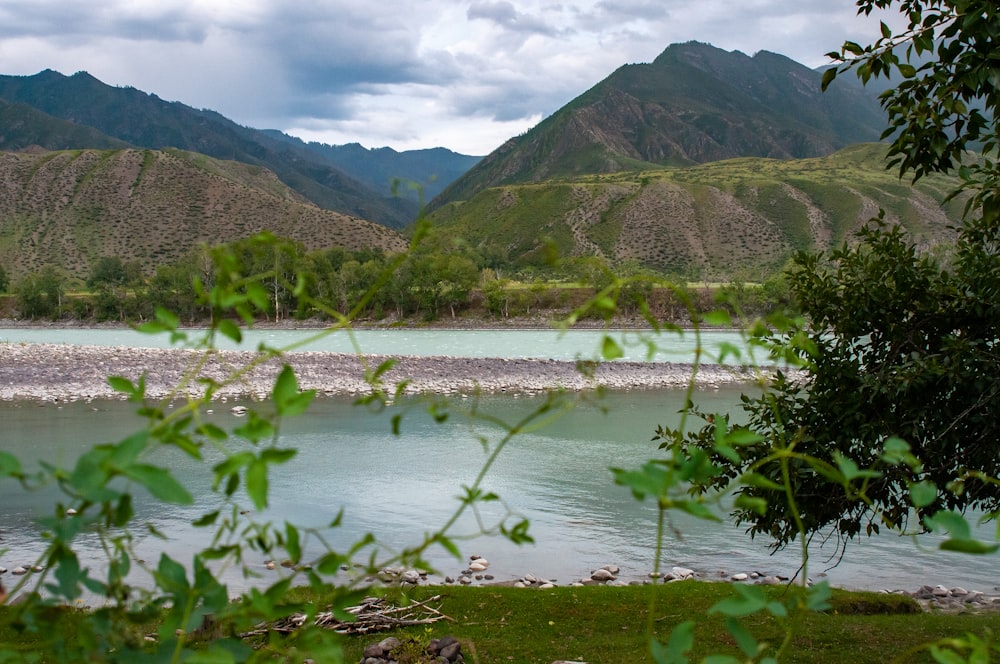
x: 39, y: 371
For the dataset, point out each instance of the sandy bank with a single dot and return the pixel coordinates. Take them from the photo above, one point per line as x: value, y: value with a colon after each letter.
x: 69, y: 372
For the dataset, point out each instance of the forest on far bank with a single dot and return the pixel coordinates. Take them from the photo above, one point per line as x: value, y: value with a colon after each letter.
x: 285, y: 282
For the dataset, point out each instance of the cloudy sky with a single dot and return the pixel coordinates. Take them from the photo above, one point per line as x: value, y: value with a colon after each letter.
x: 408, y: 74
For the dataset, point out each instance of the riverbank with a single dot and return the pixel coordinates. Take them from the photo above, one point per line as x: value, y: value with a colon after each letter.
x: 69, y: 372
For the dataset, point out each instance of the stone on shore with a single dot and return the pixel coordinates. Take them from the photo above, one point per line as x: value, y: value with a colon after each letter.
x: 64, y: 372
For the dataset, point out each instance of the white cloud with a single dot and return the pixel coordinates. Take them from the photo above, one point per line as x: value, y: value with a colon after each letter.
x: 463, y: 74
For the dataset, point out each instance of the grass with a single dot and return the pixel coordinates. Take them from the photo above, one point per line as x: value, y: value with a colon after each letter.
x: 604, y: 624
x: 609, y: 624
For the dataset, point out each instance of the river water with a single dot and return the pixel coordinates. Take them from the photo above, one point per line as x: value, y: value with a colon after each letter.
x: 402, y: 486
x: 666, y: 346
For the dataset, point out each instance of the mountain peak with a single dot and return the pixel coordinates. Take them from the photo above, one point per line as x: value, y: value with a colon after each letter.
x: 693, y: 104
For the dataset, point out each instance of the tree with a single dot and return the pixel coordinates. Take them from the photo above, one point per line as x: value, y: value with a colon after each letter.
x: 947, y: 102
x: 107, y: 271
x: 39, y: 294
x: 895, y: 413
x: 4, y: 280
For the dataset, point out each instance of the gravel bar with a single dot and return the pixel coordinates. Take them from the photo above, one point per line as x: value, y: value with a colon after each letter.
x: 63, y: 372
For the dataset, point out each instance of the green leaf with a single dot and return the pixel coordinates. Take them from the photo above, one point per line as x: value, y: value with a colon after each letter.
x: 678, y: 646
x: 605, y: 305
x: 750, y: 600
x: 256, y: 428
x: 231, y: 330
x: 726, y: 350
x: 10, y: 465
x: 288, y: 400
x: 741, y: 435
x: 128, y: 450
x: 212, y: 431
x: 232, y: 464
x: 744, y: 639
x: 952, y: 523
x: 923, y: 493
x: 69, y: 576
x: 449, y: 545
x: 611, y: 350
x: 206, y: 519
x: 651, y: 479
x: 850, y: 469
x: 256, y: 481
x: 961, y: 539
x: 171, y: 574
x: 167, y: 318
x: 286, y: 386
x: 159, y: 482
x: 718, y: 318
x: 695, y: 508
x: 818, y: 596
x: 758, y: 480
x: 973, y: 546
x: 751, y: 504
x: 828, y: 76
x: 120, y: 384
x: 292, y: 545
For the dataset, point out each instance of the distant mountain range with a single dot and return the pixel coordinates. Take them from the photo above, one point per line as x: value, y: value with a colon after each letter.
x: 702, y: 162
x: 57, y: 112
x: 694, y: 104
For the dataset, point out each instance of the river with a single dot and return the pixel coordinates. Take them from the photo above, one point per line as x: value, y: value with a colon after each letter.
x: 400, y: 487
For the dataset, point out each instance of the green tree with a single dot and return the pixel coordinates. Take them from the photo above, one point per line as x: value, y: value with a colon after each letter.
x: 4, y: 280
x: 107, y: 271
x: 895, y: 412
x: 114, y: 282
x: 39, y: 294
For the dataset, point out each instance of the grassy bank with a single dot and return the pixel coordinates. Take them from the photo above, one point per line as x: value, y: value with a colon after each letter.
x: 608, y: 625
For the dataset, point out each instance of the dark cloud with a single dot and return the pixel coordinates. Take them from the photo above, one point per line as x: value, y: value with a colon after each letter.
x: 79, y: 21
x: 505, y: 15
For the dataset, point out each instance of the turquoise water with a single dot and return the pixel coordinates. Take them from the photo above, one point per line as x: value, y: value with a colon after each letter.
x: 400, y: 487
x: 549, y: 344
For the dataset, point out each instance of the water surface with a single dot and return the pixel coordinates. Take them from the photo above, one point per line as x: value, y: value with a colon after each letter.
x: 400, y: 487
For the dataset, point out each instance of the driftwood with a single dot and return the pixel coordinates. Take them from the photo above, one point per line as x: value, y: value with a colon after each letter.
x: 374, y: 614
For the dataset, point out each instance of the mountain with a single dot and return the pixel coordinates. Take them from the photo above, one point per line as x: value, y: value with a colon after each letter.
x: 694, y: 104
x: 69, y: 208
x: 100, y: 116
x: 731, y: 219
x: 431, y: 170
x: 23, y: 127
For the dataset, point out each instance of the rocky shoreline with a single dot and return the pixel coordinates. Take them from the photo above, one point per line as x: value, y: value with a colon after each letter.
x: 938, y: 598
x: 58, y: 372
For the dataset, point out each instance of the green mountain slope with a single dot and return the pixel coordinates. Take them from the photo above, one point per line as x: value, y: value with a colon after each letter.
x: 145, y: 120
x: 23, y: 127
x: 738, y: 218
x: 694, y: 104
x: 69, y: 208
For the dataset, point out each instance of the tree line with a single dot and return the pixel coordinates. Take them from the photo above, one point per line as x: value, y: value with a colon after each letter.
x: 425, y: 283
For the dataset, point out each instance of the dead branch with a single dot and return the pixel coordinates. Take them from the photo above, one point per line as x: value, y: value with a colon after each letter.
x: 374, y: 614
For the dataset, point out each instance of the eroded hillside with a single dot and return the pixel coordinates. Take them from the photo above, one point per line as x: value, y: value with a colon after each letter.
x: 735, y: 218
x: 69, y: 208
